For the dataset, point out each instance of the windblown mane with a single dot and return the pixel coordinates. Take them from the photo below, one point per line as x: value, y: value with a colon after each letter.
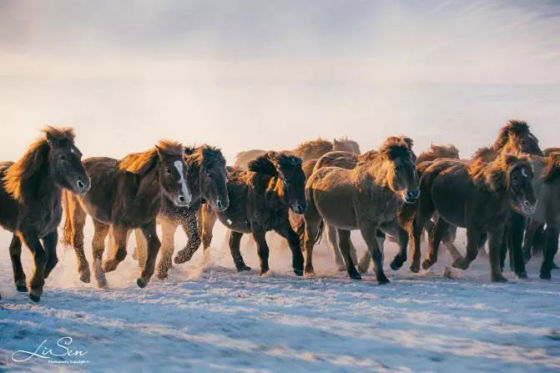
x: 512, y: 127
x: 485, y: 154
x: 319, y: 146
x: 438, y: 151
x: 205, y: 155
x: 347, y: 144
x: 549, y: 151
x: 492, y: 175
x: 367, y: 156
x: 140, y: 163
x: 552, y: 166
x: 268, y: 163
x: 33, y: 159
x: 397, y: 147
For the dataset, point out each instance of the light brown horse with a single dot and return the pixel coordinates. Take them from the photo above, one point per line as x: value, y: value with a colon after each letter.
x: 260, y: 198
x: 366, y: 197
x: 477, y: 196
x: 30, y: 201
x: 308, y: 150
x: 126, y: 194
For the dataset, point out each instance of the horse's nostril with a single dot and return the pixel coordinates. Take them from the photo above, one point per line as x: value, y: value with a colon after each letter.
x: 81, y: 184
x: 527, y: 203
x: 181, y: 199
x: 219, y: 203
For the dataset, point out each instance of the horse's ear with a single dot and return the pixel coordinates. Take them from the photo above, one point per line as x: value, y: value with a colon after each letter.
x: 52, y: 140
x: 160, y: 153
x: 409, y: 142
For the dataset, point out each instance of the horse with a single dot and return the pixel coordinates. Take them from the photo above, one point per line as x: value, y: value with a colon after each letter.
x: 30, y: 201
x: 366, y: 197
x: 126, y: 194
x: 477, y: 196
x: 260, y: 198
x: 308, y: 150
x: 207, y: 178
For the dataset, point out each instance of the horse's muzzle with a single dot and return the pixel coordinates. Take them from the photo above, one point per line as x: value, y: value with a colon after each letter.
x: 411, y: 196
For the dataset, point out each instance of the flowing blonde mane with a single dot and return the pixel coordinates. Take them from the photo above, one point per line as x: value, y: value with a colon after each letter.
x: 140, y: 163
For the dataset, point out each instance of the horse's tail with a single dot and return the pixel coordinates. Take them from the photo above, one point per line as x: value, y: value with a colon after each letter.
x: 67, y: 230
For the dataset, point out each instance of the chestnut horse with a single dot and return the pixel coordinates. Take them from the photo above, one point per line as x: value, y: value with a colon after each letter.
x: 366, y: 197
x: 126, y: 194
x: 260, y: 198
x: 30, y: 201
x: 207, y: 178
x: 477, y: 196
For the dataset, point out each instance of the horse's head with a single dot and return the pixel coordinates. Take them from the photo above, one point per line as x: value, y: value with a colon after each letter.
x: 519, y: 182
x: 172, y: 170
x: 291, y: 179
x: 213, y: 177
x: 65, y: 160
x: 402, y: 177
x: 516, y: 138
x: 346, y: 145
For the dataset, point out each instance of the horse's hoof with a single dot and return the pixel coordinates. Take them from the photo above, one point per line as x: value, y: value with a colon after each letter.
x: 459, y: 264
x: 426, y: 264
x: 546, y: 276
x: 396, y: 264
x: 298, y: 271
x: 243, y: 268
x: 22, y: 288
x: 182, y: 257
x: 355, y: 276
x: 415, y: 268
x: 383, y: 280
x: 162, y: 276
x: 108, y: 266
x: 34, y: 298
x: 521, y: 275
x: 85, y: 277
x: 499, y: 278
x: 265, y: 273
x: 141, y: 283
x: 309, y: 274
x: 362, y: 268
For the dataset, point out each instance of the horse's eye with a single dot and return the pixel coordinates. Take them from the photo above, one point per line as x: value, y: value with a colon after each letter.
x: 210, y: 175
x: 168, y: 170
x: 63, y: 157
x: 397, y: 168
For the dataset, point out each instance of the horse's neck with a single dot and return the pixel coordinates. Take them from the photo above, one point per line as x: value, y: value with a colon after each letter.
x: 149, y: 188
x: 41, y: 186
x: 379, y: 170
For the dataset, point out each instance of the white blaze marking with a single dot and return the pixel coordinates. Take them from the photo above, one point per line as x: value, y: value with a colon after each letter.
x: 229, y: 221
x: 523, y: 172
x: 183, y: 182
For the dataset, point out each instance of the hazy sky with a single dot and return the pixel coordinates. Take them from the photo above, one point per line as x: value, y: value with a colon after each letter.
x: 270, y: 74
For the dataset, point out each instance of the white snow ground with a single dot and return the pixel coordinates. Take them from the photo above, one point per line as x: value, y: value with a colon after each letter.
x: 213, y: 319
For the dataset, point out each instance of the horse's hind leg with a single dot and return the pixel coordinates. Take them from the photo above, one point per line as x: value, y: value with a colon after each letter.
x: 344, y: 240
x: 98, y: 245
x: 366, y: 258
x: 333, y: 242
x: 15, y: 255
x: 448, y: 240
x: 473, y: 244
x: 530, y: 233
x: 141, y: 248
x: 435, y: 235
x: 395, y: 229
x: 495, y: 244
x: 234, y: 241
x: 168, y: 228
x: 119, y: 234
x: 259, y: 234
x: 369, y: 232
x: 74, y: 235
x: 49, y: 243
x: 190, y: 226
x: 515, y: 234
x: 288, y: 233
x: 154, y: 244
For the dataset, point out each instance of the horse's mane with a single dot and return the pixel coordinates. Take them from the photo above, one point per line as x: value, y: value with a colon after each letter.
x: 140, y: 163
x: 549, y: 151
x: 367, y: 156
x: 492, y: 175
x: 552, y: 166
x: 397, y: 147
x: 512, y: 127
x: 348, y: 143
x: 438, y: 151
x: 204, y: 155
x: 33, y: 159
x: 320, y: 145
x: 485, y: 153
x: 267, y: 164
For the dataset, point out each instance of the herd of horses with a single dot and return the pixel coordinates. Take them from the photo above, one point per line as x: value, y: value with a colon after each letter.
x: 507, y: 196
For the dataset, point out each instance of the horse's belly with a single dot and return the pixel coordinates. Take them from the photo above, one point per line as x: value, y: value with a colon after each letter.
x: 336, y: 207
x: 449, y: 204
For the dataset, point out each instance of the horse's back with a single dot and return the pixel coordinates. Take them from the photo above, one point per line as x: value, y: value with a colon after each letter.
x: 8, y: 206
x: 104, y: 175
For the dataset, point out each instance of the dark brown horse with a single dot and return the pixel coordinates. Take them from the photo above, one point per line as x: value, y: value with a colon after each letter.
x: 30, y: 201
x: 477, y: 196
x: 366, y: 197
x: 207, y: 177
x: 125, y: 195
x: 260, y: 198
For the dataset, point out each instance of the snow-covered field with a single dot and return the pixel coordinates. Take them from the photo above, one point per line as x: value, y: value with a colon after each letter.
x: 209, y: 318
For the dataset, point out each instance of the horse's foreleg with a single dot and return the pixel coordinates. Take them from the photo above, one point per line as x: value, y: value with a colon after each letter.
x: 208, y: 221
x: 395, y: 229
x: 473, y: 243
x: 31, y: 239
x: 234, y: 242
x: 448, y: 240
x: 369, y: 233
x: 190, y: 226
x: 150, y: 233
x: 15, y: 255
x: 259, y: 234
x: 141, y: 248
x: 333, y: 243
x: 530, y: 233
x: 515, y: 233
x: 495, y: 244
x: 99, y: 234
x: 168, y: 228
x: 49, y: 243
x: 344, y: 241
x: 288, y: 233
x: 435, y: 236
x: 74, y: 232
x: 364, y: 263
x: 550, y: 249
